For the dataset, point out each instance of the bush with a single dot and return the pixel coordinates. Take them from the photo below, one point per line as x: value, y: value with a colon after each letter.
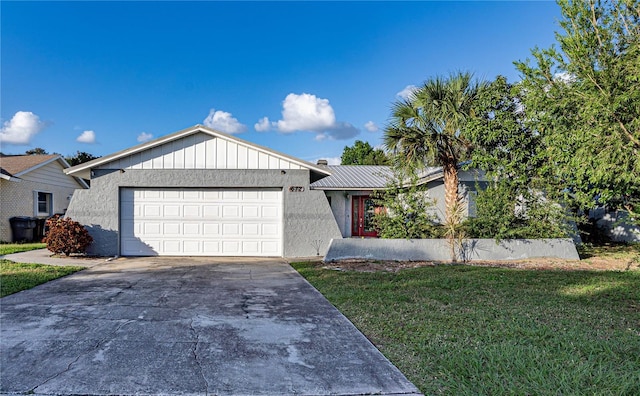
x: 409, y: 212
x: 66, y: 236
x: 504, y: 212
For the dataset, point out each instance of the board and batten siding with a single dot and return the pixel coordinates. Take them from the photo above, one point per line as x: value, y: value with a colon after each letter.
x: 201, y: 151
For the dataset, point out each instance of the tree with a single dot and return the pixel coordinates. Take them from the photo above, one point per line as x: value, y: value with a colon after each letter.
x: 408, y: 210
x: 361, y: 153
x: 517, y: 202
x: 426, y: 130
x: 583, y: 99
x: 36, y: 151
x: 80, y: 157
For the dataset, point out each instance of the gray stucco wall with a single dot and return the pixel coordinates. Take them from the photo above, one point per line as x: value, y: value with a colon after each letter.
x: 439, y: 250
x: 308, y: 223
x: 342, y: 209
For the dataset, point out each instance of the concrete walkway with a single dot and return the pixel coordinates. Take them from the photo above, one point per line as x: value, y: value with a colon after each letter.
x: 186, y: 326
x: 44, y: 256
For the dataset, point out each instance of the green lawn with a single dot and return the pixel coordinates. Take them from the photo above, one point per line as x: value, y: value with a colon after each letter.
x: 9, y: 248
x: 15, y: 277
x: 467, y: 330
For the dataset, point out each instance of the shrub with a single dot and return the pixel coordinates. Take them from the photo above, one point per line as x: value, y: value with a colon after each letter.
x: 505, y: 212
x: 66, y: 236
x: 409, y: 212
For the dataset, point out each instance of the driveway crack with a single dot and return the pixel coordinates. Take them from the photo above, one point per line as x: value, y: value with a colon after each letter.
x: 96, y: 346
x: 194, y: 351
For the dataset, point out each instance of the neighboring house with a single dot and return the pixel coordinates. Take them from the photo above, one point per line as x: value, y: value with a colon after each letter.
x: 34, y: 186
x: 200, y: 192
x: 350, y: 188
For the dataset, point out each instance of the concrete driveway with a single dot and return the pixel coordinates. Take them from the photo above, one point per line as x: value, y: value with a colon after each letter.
x: 186, y: 326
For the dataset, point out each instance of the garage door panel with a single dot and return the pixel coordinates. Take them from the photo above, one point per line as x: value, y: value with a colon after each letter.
x: 270, y: 248
x: 171, y: 246
x: 210, y: 211
x: 231, y: 248
x: 271, y: 230
x: 191, y: 210
x: 211, y: 248
x: 211, y: 229
x: 250, y: 229
x: 250, y: 211
x: 171, y: 229
x: 172, y: 211
x: 189, y: 229
x: 171, y: 194
x: 151, y: 210
x: 151, y: 194
x: 231, y: 229
x: 230, y: 211
x: 270, y: 212
x: 151, y: 228
x: 201, y: 222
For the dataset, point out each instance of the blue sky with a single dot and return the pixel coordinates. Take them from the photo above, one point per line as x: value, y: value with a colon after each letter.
x: 303, y: 78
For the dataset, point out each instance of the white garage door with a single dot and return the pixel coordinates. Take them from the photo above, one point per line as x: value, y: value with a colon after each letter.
x: 201, y: 222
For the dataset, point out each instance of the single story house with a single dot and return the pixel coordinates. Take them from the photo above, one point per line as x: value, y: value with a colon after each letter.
x: 350, y: 188
x: 201, y: 192
x: 34, y: 186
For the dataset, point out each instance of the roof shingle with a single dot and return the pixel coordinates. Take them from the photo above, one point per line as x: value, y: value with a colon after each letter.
x: 14, y: 164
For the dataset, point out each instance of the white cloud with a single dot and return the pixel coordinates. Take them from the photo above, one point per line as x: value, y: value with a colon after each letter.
x: 144, y: 137
x: 407, y: 92
x: 305, y: 113
x: 87, y: 137
x: 371, y: 126
x: 223, y: 121
x: 22, y: 127
x: 262, y: 125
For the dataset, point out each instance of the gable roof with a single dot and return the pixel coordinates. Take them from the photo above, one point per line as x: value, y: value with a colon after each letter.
x: 354, y: 177
x: 84, y: 169
x: 14, y: 166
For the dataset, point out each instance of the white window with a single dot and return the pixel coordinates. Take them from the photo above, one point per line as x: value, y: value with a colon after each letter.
x: 43, y: 203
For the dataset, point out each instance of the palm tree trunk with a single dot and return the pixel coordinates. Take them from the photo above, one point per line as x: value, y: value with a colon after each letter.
x: 452, y: 209
x: 450, y: 171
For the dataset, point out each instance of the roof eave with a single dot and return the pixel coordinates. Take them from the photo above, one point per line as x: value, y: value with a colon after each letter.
x: 10, y: 178
x: 347, y: 188
x: 50, y: 160
x: 85, y: 168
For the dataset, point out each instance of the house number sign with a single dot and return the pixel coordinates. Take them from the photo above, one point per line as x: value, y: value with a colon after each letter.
x: 296, y: 189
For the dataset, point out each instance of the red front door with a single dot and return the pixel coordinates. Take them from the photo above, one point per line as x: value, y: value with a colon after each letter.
x: 362, y: 215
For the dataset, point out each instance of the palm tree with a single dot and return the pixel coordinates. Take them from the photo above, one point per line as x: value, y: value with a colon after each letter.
x: 426, y: 130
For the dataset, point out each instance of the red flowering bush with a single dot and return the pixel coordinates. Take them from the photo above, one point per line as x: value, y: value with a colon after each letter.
x: 66, y: 236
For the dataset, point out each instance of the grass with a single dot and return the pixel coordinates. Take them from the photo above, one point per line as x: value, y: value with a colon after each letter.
x: 9, y: 248
x: 476, y: 330
x: 15, y: 277
x: 618, y: 251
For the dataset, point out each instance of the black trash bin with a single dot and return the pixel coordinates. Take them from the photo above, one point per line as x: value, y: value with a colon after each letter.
x: 22, y: 228
x: 40, y: 230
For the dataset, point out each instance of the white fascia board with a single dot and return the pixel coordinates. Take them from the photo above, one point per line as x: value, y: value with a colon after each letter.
x: 41, y: 165
x: 83, y: 169
x: 10, y: 178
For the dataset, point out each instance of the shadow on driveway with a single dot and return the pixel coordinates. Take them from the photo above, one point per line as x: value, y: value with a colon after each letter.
x: 186, y: 326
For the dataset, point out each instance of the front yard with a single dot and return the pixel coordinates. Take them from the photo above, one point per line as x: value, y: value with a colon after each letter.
x: 15, y: 277
x: 486, y: 330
